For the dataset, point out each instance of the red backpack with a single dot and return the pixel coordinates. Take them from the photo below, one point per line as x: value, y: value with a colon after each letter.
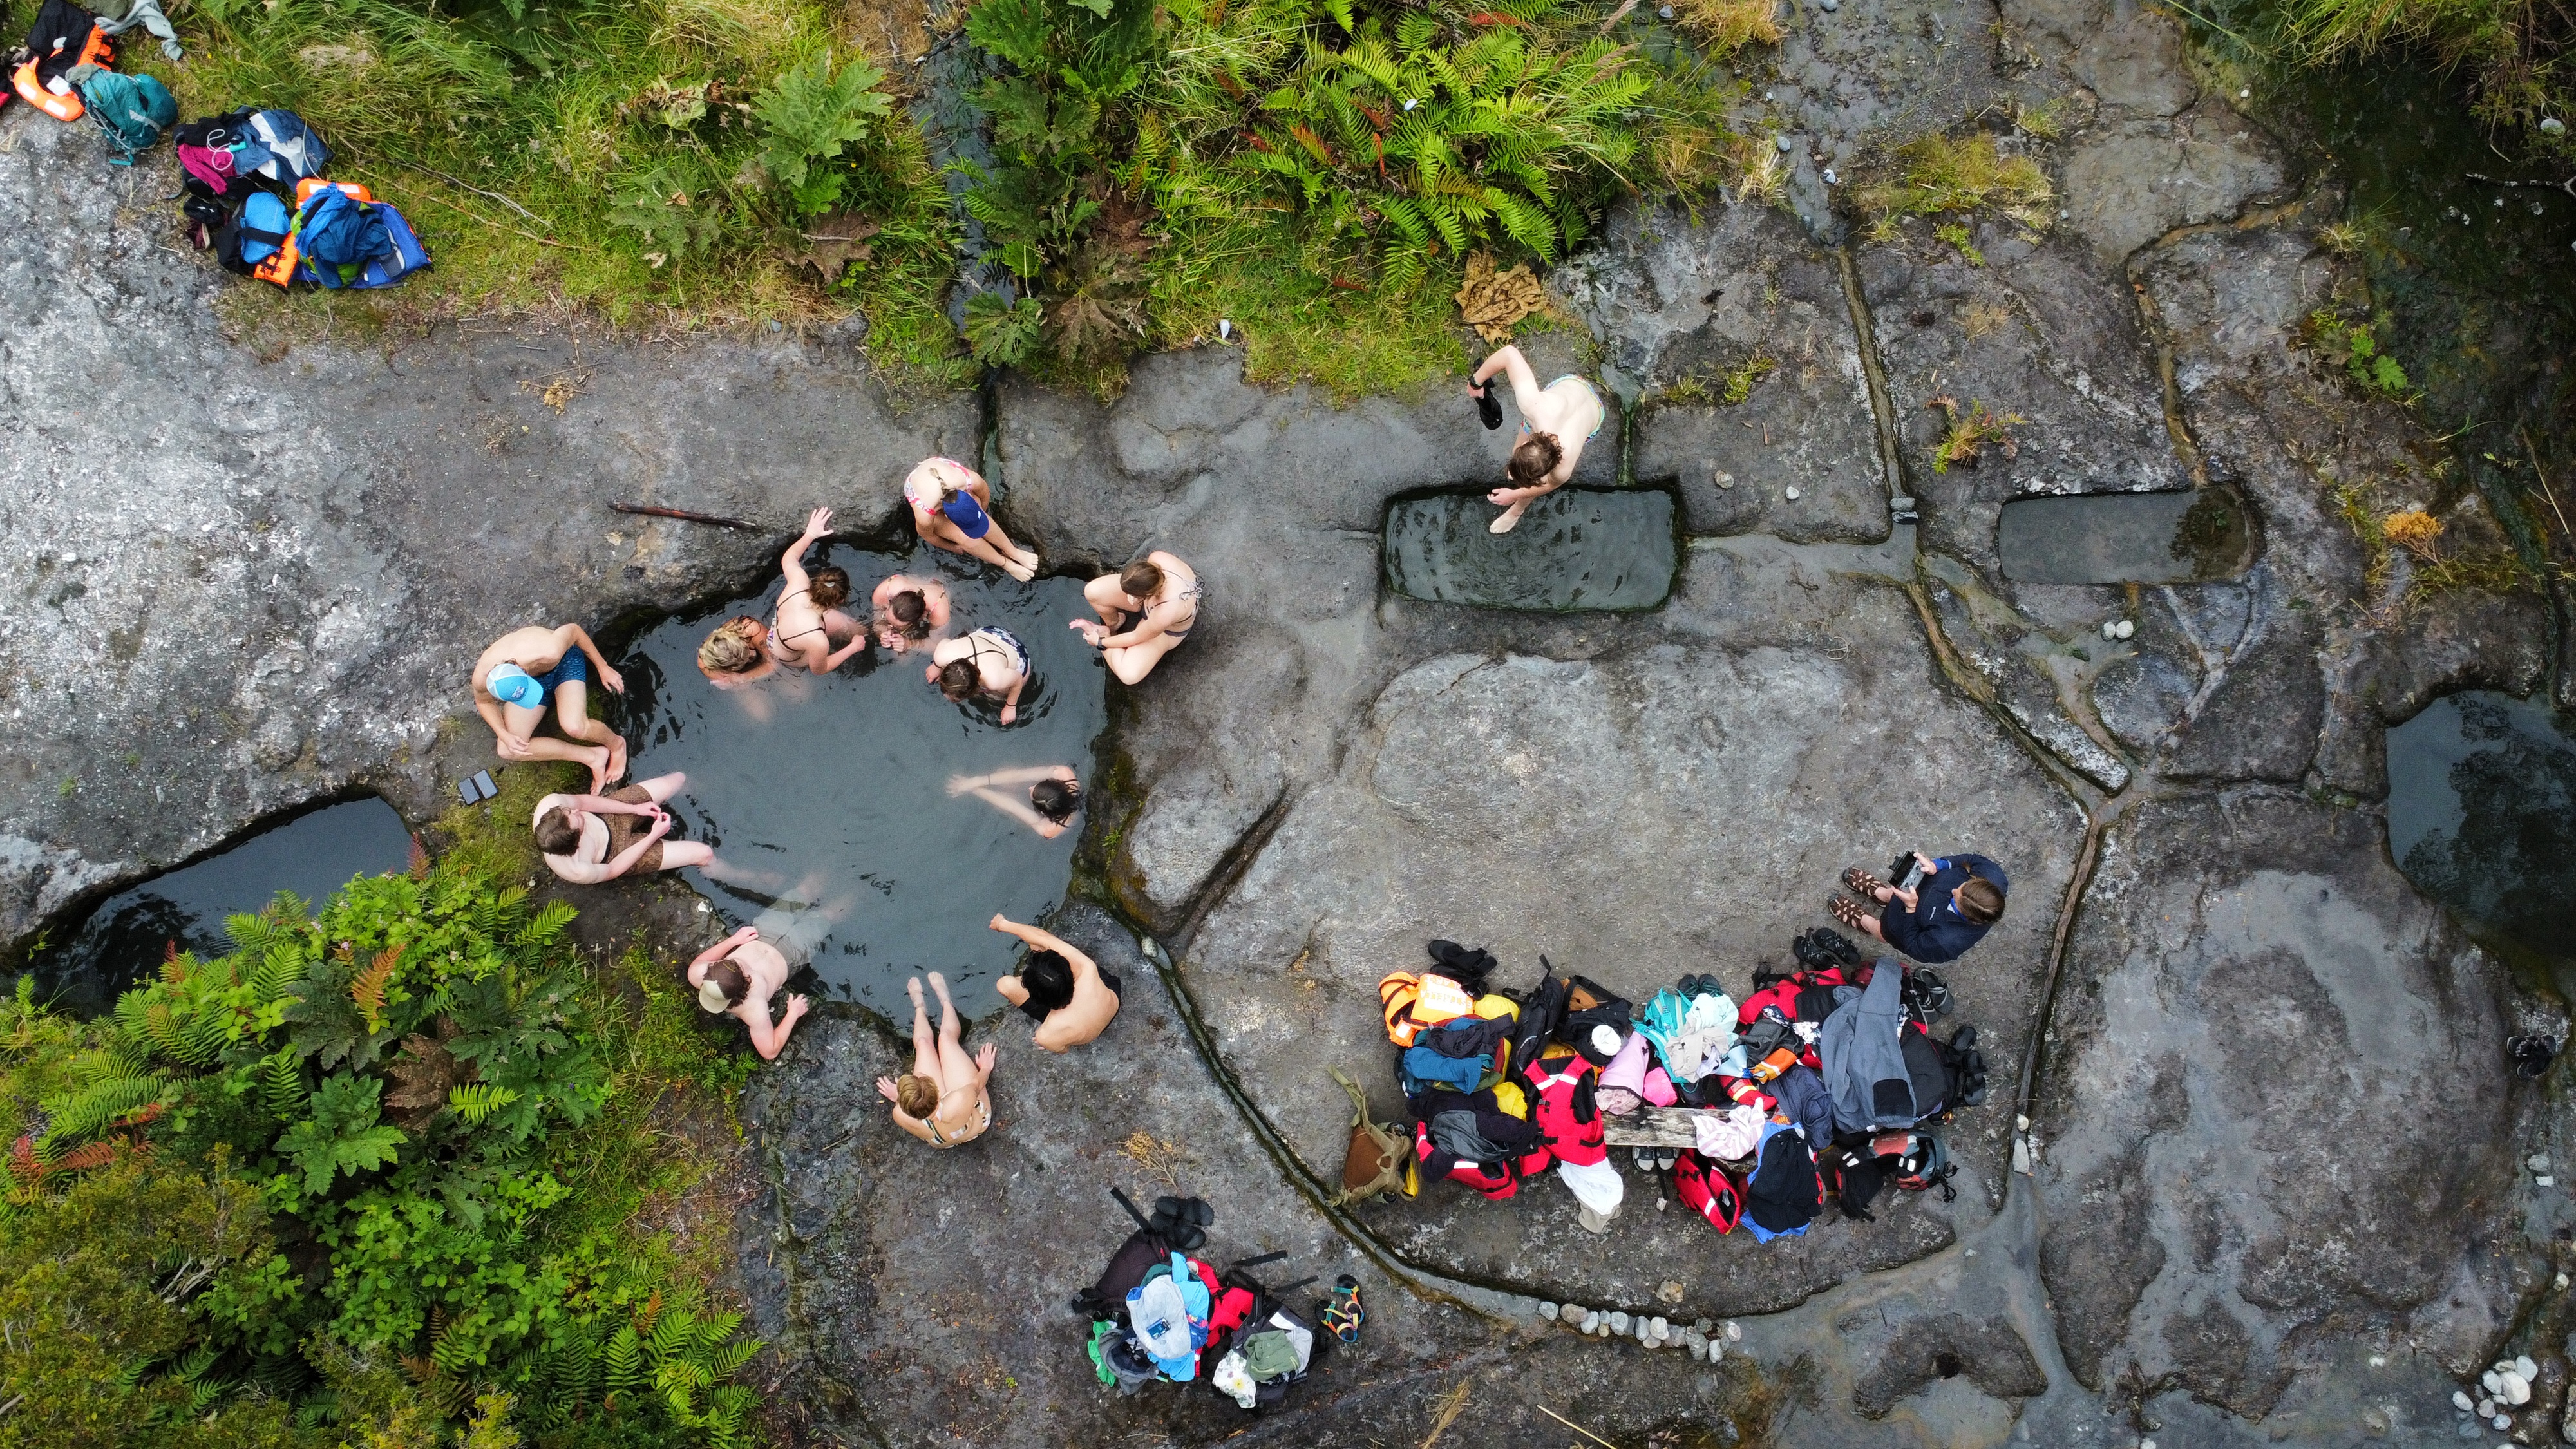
x: 1496, y: 1180
x: 1704, y: 1187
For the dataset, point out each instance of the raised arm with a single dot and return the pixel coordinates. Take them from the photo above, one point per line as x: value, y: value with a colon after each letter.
x: 720, y: 950
x: 573, y: 636
x: 1039, y: 939
x: 818, y: 525
x: 1508, y: 360
x: 1020, y: 810
x: 1028, y: 775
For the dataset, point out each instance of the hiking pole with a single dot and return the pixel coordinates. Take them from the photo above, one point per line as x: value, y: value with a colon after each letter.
x: 685, y: 516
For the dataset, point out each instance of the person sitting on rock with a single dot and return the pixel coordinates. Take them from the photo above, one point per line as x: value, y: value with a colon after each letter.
x: 591, y: 839
x: 1959, y: 900
x: 525, y: 668
x: 942, y: 1100
x: 949, y: 502
x: 1064, y: 991
x: 739, y: 974
x: 1556, y: 421
x: 907, y: 610
x: 989, y: 661
x: 1161, y: 594
x: 1055, y: 792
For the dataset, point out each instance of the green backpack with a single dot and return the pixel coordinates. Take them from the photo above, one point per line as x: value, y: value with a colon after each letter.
x: 133, y: 109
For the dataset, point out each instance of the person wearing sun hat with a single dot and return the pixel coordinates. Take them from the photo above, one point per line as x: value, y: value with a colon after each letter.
x: 738, y: 975
x: 523, y: 670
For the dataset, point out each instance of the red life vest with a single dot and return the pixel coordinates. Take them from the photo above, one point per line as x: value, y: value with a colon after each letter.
x: 1704, y: 1188
x: 1496, y: 1180
x: 1563, y: 1111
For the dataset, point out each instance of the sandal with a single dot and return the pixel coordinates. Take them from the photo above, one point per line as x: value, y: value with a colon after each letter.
x: 1861, y: 883
x: 1847, y: 911
x: 1342, y: 1312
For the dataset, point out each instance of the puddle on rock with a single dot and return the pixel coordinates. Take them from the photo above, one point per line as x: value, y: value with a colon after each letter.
x: 1576, y: 548
x: 2482, y: 812
x: 311, y: 855
x: 847, y: 782
x: 2123, y: 538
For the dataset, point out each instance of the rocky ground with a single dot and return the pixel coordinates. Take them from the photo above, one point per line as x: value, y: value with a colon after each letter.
x: 2273, y: 1190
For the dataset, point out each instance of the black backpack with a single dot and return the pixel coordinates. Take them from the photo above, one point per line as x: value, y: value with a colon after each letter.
x: 1927, y: 1066
x: 1269, y: 1307
x: 1179, y: 1224
x: 1964, y: 1069
x: 1786, y: 1188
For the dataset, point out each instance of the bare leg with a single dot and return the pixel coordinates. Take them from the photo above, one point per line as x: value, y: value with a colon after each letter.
x: 595, y: 758
x: 1028, y: 557
x: 952, y: 1051
x: 925, y: 1046
x: 681, y: 854
x: 572, y: 711
x: 663, y: 787
x: 1132, y: 662
x: 983, y: 548
x: 1099, y: 593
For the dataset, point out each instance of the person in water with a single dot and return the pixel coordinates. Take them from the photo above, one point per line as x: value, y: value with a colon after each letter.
x: 1054, y: 794
x: 989, y: 661
x: 525, y: 668
x: 592, y: 839
x: 1064, y: 991
x: 800, y: 631
x: 949, y: 504
x: 907, y: 610
x: 1556, y: 421
x: 738, y: 975
x: 1160, y: 595
x: 942, y: 1100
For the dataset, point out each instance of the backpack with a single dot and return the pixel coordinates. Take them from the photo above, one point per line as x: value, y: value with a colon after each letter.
x: 1409, y: 1003
x: 1785, y: 1189
x: 1964, y: 1070
x: 350, y: 239
x: 1927, y: 1068
x: 1379, y: 1163
x: 256, y: 239
x: 1919, y: 1162
x: 1542, y: 1008
x: 132, y: 109
x: 1704, y: 1188
x: 1251, y: 1310
x: 63, y: 37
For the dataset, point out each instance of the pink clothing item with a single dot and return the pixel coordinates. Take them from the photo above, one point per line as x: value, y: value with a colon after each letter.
x: 1658, y: 1088
x: 213, y: 167
x: 1627, y: 1067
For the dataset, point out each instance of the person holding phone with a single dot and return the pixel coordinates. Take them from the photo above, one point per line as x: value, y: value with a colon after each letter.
x: 1936, y: 918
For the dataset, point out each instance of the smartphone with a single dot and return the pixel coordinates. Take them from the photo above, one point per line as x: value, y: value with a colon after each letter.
x: 477, y: 787
x: 1907, y: 872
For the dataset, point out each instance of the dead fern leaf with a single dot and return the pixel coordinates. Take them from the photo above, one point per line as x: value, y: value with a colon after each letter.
x: 1159, y: 1159
x: 1445, y: 1412
x: 645, y: 1315
x: 426, y: 1072
x: 2415, y: 531
x: 368, y: 990
x: 1492, y: 301
x: 418, y: 864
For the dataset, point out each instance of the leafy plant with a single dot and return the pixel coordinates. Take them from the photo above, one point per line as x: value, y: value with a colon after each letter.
x: 673, y: 220
x: 342, y: 1136
x: 1966, y: 436
x: 2357, y: 348
x: 1739, y: 380
x: 813, y: 113
x: 1001, y: 333
x: 1956, y: 234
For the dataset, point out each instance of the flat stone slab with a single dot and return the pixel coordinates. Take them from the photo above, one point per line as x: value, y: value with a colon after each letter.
x: 2123, y: 538
x: 1576, y: 548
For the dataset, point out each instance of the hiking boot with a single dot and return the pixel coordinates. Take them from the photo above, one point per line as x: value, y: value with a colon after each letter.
x: 1861, y: 883
x: 1847, y: 911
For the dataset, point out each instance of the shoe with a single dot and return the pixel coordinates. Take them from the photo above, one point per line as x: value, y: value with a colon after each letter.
x: 1847, y: 911
x: 1861, y: 883
x: 1489, y: 409
x: 1592, y: 1222
x: 1964, y: 1039
x: 1343, y: 1313
x: 1197, y: 1211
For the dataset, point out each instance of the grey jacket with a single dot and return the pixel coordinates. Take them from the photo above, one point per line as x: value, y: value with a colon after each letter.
x: 1864, y: 1059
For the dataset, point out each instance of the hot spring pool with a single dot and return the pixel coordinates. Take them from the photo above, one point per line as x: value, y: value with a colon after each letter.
x: 844, y: 785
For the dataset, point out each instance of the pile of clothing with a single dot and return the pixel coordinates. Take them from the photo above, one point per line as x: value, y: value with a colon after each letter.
x: 1823, y: 1081
x: 253, y: 189
x: 1160, y: 1315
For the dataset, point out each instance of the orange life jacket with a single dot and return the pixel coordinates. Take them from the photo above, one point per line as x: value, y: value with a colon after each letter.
x: 67, y: 105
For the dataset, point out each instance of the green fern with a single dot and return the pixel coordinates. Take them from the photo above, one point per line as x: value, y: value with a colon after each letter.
x: 477, y: 1101
x: 282, y: 1088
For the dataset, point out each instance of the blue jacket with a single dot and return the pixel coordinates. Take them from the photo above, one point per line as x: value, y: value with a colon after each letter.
x: 1934, y: 931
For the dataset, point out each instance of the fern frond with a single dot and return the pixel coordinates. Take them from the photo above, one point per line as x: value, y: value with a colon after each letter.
x: 367, y: 989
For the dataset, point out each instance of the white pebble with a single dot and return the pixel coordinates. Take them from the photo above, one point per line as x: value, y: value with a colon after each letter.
x: 2544, y: 1180
x: 2483, y: 1408
x: 1791, y: 494
x: 1659, y: 1204
x: 1547, y: 1310
x: 2551, y: 126
x: 2110, y: 628
x: 2537, y: 1162
x: 1660, y: 1327
x: 2502, y: 1421
x: 1733, y: 1333
x: 2517, y: 1390
x: 1786, y: 145
x: 2493, y: 1381
x: 2146, y: 1444
x: 2127, y: 628
x: 1725, y: 479
x: 702, y: 908
x: 1618, y: 1320
x: 2461, y: 1401
x: 2523, y: 1365
x: 2562, y: 1283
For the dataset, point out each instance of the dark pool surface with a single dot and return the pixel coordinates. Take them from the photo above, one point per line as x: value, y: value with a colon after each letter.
x: 1577, y: 548
x: 311, y: 855
x: 2123, y: 538
x: 2482, y: 813
x: 845, y: 783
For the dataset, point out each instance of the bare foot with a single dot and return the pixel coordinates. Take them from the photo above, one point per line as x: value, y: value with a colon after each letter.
x: 1020, y: 571
x: 939, y: 987
x: 598, y: 759
x: 1091, y: 632
x: 616, y: 757
x: 912, y: 988
x: 1510, y: 520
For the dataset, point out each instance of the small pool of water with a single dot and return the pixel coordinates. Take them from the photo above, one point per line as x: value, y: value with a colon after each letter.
x: 2123, y: 538
x: 845, y: 783
x: 2482, y: 813
x: 311, y: 855
x: 1576, y: 548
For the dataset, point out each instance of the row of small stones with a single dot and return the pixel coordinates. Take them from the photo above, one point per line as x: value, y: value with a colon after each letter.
x: 1704, y: 1340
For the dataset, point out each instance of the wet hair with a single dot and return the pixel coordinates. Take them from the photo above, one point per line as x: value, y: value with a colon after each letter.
x: 917, y: 1096
x: 731, y: 648
x: 959, y: 678
x: 828, y: 587
x: 1048, y: 978
x: 1981, y: 901
x: 908, y: 614
x: 556, y: 834
x: 1056, y: 799
x: 727, y: 978
x: 1141, y: 579
x: 1535, y: 458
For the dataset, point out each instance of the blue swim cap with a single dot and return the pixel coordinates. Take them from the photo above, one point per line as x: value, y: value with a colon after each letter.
x: 511, y: 685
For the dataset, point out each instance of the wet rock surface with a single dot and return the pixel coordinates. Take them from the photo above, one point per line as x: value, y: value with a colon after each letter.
x: 2275, y: 1191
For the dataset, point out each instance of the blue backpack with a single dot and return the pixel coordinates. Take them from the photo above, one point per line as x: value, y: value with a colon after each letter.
x: 347, y: 242
x: 133, y: 109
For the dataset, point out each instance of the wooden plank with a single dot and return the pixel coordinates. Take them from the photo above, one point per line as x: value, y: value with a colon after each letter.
x: 1653, y: 1127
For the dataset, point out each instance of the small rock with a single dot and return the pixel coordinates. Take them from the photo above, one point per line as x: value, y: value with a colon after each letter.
x: 2483, y: 1408
x: 2110, y: 628
x: 1619, y: 1320
x: 1831, y: 179
x: 702, y: 908
x: 1716, y: 1350
x: 2127, y: 628
x: 2494, y: 1382
x: 2523, y: 1365
x: 1786, y: 145
x: 1725, y: 480
x: 1666, y: 11
x: 2544, y: 1180
x: 2552, y: 126
x: 1733, y: 1333
x: 2517, y: 1389
x: 1572, y: 1313
x: 1659, y: 1204
x: 2146, y: 1444
x: 2502, y: 1421
x: 1790, y: 493
x: 1698, y: 1348
x: 1704, y: 1327
x: 2021, y: 1124
x: 1671, y: 1291
x: 1224, y: 328
x: 1547, y: 1310
x: 2470, y: 1428
x: 1659, y: 1327
x: 1591, y: 1321
x: 2537, y: 1162
x: 1829, y: 6
x: 2461, y: 1401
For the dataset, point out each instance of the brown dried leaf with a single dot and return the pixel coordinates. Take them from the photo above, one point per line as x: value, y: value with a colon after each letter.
x: 1492, y: 301
x: 832, y: 242
x: 426, y: 1071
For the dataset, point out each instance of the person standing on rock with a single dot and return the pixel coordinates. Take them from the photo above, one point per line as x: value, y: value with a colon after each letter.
x: 1959, y: 899
x: 1160, y: 594
x: 990, y: 661
x: 527, y: 667
x: 1064, y: 991
x: 942, y: 1100
x: 906, y: 610
x: 1556, y: 421
x: 1055, y: 793
x: 949, y: 504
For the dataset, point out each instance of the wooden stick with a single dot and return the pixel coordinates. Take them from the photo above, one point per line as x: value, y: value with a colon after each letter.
x: 684, y: 515
x: 477, y: 190
x: 1577, y: 1428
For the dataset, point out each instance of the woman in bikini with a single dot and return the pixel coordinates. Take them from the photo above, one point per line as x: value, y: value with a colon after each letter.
x: 1162, y: 595
x: 989, y: 661
x: 942, y: 1099
x: 905, y: 610
x: 799, y: 632
x: 1054, y: 794
x: 1556, y: 421
x: 949, y: 503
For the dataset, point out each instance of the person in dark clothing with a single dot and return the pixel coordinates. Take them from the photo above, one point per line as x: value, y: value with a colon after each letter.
x: 1960, y: 899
